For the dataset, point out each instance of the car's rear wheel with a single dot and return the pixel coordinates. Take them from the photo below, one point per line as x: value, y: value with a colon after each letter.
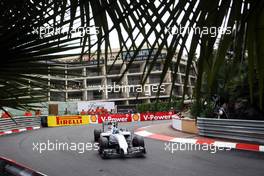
x: 103, y: 144
x: 97, y: 135
x: 122, y: 153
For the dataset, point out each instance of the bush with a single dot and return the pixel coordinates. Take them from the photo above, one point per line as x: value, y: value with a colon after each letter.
x: 159, y: 106
x: 195, y: 109
x: 207, y: 110
x: 202, y: 110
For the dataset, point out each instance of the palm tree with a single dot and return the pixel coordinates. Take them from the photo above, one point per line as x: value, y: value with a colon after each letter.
x: 182, y: 27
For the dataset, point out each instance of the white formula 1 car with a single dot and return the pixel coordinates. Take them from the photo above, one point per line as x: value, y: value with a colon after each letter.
x: 118, y: 142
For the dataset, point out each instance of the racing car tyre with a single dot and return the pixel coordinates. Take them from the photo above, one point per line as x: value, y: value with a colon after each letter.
x: 138, y: 141
x: 44, y: 121
x: 2, y: 166
x: 97, y: 135
x: 103, y: 144
x: 122, y: 153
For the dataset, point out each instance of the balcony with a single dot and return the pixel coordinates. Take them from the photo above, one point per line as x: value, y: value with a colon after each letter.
x: 193, y: 81
x: 114, y: 72
x: 134, y: 70
x: 154, y: 80
x: 134, y: 94
x: 133, y: 82
x: 75, y: 96
x: 97, y: 97
x: 94, y: 73
x: 115, y: 95
x: 74, y: 73
x: 160, y: 94
x: 96, y: 82
x: 182, y: 69
x: 57, y: 86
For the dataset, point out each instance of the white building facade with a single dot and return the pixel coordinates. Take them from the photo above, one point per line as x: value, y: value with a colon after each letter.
x: 90, y: 82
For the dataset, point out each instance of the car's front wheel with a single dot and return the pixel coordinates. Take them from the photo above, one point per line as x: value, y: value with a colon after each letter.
x: 138, y: 141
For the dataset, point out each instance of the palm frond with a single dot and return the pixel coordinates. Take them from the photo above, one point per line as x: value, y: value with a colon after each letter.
x: 138, y: 24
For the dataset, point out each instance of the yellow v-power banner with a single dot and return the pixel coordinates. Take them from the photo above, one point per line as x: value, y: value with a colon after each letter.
x: 68, y: 120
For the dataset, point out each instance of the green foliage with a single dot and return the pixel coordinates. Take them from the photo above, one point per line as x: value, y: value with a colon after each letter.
x: 195, y: 109
x: 176, y: 103
x: 207, y: 110
x: 202, y: 110
x: 27, y: 55
x: 159, y: 106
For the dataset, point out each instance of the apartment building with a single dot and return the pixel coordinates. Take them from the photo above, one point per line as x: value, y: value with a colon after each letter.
x: 90, y: 82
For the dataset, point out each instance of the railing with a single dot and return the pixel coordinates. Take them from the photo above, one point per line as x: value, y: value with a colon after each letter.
x: 7, y: 124
x: 134, y: 94
x: 246, y: 130
x: 9, y: 167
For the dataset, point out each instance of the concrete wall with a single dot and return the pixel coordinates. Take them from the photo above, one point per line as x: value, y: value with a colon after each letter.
x: 185, y: 125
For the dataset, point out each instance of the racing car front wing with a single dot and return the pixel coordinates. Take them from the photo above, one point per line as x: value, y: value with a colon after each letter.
x: 133, y: 151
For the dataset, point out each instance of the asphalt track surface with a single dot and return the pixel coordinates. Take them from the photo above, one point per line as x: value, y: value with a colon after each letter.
x: 157, y: 162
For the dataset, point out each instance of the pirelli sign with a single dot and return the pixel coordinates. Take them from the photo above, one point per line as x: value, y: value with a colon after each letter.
x: 67, y: 120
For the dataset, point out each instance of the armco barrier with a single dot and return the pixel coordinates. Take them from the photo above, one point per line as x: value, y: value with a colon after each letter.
x: 9, y: 167
x: 18, y: 124
x: 246, y: 130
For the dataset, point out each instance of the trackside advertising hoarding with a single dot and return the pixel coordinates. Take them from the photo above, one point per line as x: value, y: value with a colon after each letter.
x: 95, y: 119
x: 69, y: 120
x: 114, y: 117
x: 156, y: 116
x: 136, y: 117
x: 86, y: 106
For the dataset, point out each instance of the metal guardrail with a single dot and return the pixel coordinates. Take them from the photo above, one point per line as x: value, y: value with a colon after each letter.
x: 11, y: 168
x: 7, y: 124
x: 246, y: 130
